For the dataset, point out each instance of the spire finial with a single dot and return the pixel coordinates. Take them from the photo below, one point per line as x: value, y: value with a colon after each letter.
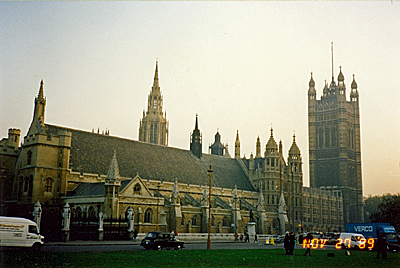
x: 156, y: 84
x: 41, y: 94
x: 333, y: 78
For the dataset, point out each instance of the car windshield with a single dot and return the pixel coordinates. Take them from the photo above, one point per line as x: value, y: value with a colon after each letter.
x: 359, y: 237
x: 32, y: 229
x: 151, y: 235
x: 391, y: 236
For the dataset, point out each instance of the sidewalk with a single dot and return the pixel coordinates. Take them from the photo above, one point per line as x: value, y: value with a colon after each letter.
x: 129, y: 242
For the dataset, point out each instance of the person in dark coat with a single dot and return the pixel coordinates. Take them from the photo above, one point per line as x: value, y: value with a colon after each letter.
x: 286, y: 243
x: 246, y: 237
x: 381, y: 246
x: 292, y: 242
x: 308, y: 239
x: 135, y: 234
x: 301, y: 237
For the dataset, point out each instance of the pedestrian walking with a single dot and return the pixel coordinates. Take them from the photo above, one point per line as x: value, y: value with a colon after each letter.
x: 246, y: 237
x: 255, y: 238
x: 286, y: 243
x: 292, y: 242
x: 301, y: 237
x: 135, y: 233
x: 307, y: 242
x: 381, y: 247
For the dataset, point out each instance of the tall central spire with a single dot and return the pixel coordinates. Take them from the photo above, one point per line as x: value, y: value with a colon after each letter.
x: 154, y: 125
x: 156, y: 84
x: 333, y: 78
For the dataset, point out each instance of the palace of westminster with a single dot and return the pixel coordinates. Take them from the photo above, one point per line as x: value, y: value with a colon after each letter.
x: 168, y: 187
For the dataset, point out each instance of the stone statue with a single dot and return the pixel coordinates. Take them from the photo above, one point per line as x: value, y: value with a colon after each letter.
x: 251, y: 215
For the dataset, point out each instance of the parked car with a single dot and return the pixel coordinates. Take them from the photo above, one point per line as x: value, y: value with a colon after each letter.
x: 161, y: 240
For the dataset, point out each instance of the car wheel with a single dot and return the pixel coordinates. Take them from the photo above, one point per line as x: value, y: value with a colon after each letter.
x: 36, y: 247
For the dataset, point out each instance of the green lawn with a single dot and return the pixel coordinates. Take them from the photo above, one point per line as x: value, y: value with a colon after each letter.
x: 197, y: 258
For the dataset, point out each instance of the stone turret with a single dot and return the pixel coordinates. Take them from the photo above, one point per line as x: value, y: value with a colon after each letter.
x: 195, y: 140
x: 112, y: 187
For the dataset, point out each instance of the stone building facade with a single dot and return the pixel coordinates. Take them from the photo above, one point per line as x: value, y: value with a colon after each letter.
x: 335, y: 144
x: 166, y: 187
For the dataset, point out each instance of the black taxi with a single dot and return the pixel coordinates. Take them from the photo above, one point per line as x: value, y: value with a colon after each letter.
x: 161, y: 240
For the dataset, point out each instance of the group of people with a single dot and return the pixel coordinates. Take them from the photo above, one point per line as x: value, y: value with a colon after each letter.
x: 289, y: 242
x: 245, y: 236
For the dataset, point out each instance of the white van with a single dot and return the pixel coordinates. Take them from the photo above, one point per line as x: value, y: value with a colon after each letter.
x: 351, y: 241
x: 19, y: 232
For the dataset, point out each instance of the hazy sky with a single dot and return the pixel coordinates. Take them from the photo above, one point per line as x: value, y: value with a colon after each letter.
x: 238, y: 65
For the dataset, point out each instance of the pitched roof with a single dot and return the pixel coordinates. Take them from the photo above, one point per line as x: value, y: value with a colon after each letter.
x: 91, y: 153
x: 93, y: 189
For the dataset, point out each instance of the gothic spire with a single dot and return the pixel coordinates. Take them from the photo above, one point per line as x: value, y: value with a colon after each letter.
x: 333, y: 76
x: 258, y: 147
x: 113, y: 171
x: 156, y: 83
x: 237, y: 145
x: 311, y: 84
x: 41, y: 94
x: 195, y: 140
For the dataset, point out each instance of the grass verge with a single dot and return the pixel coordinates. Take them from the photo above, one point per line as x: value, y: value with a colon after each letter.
x: 196, y: 258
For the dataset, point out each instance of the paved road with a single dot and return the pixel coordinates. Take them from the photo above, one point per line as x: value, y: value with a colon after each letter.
x: 94, y: 246
x: 132, y: 246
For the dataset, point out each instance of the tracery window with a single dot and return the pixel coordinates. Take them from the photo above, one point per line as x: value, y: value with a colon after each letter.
x: 136, y: 189
x: 78, y: 213
x: 91, y: 213
x: 148, y: 215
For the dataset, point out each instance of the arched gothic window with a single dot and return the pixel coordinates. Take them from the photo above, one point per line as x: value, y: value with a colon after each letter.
x: 320, y: 138
x: 224, y: 221
x: 147, y: 216
x: 334, y: 137
x: 327, y: 138
x: 91, y: 213
x: 136, y: 189
x: 29, y: 158
x: 78, y: 213
x: 194, y: 220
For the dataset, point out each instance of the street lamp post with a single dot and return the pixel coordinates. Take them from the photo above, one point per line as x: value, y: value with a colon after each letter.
x: 209, y: 171
x: 236, y: 217
x: 158, y: 194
